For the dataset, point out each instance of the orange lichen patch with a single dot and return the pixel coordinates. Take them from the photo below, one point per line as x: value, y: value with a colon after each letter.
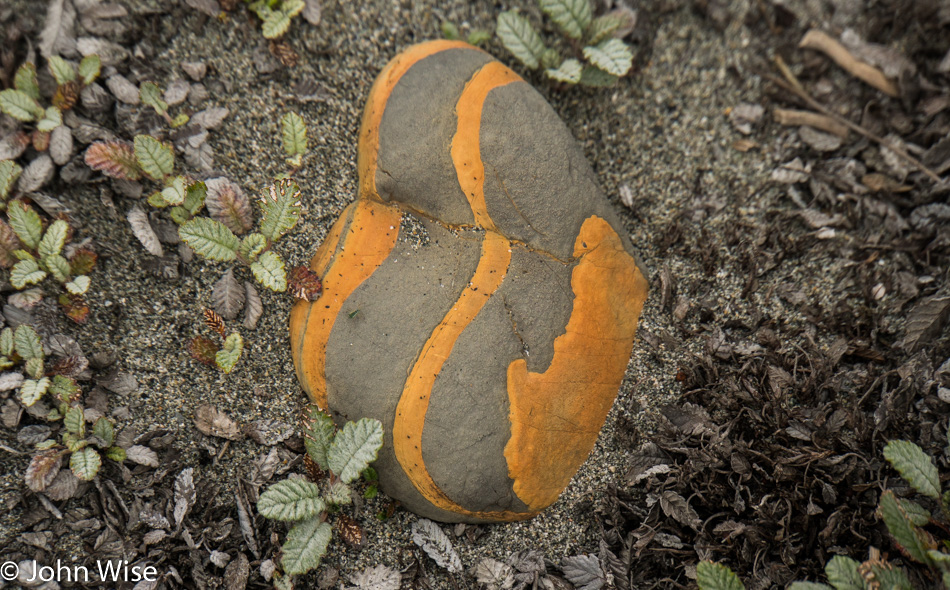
x: 414, y: 402
x: 556, y: 415
x: 466, y: 146
x: 368, y: 149
x: 363, y: 246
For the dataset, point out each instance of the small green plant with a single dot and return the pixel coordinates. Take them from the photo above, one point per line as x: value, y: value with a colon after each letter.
x: 475, y: 37
x: 293, y: 133
x: 905, y: 521
x: 275, y: 15
x: 225, y: 355
x: 597, y: 58
x: 22, y: 102
x: 343, y: 456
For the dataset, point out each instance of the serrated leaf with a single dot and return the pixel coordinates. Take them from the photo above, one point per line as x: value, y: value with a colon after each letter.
x: 917, y: 514
x: 914, y: 541
x: 174, y: 193
x: 915, y: 466
x: 52, y: 118
x: 150, y: 94
x: 114, y: 158
x: 229, y: 354
x: 27, y: 342
x: 280, y: 206
x: 603, y: 27
x: 227, y: 203
x: 269, y: 271
x: 25, y: 81
x: 715, y: 576
x: 520, y: 38
x: 34, y: 367
x: 354, y: 448
x: 25, y: 223
x: 275, y: 23
x: 843, y: 573
x: 253, y: 306
x: 154, y: 157
x: 809, y: 586
x: 58, y: 267
x: 596, y: 78
x: 63, y: 71
x: 291, y: 499
x: 64, y: 389
x: 6, y: 342
x: 292, y: 7
x: 142, y: 230
x: 306, y: 545
x: 252, y: 245
x: 572, y: 16
x: 32, y: 390
x: 85, y: 463
x: 74, y: 422
x: 9, y: 173
x: 612, y: 56
x: 318, y: 436
x: 228, y: 296
x: 54, y: 239
x: 569, y: 72
x: 25, y: 273
x: 432, y: 539
x: 195, y: 196
x: 210, y: 239
x: 142, y: 455
x: 339, y: 493
x: 43, y: 469
x: 104, y: 430
x: 293, y: 132
x: 20, y: 105
x: 116, y: 454
x: 79, y: 285
x: 89, y: 69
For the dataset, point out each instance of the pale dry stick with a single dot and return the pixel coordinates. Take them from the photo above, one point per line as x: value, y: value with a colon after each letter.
x: 824, y: 43
x: 794, y: 118
x: 792, y: 84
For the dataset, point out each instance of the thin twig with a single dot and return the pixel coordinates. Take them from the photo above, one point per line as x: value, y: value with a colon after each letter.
x: 792, y: 84
x: 794, y: 118
x: 815, y: 39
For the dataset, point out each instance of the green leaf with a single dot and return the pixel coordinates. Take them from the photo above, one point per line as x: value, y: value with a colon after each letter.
x: 612, y: 56
x: 293, y: 132
x: 276, y: 23
x: 85, y: 463
x: 291, y: 499
x: 912, y: 540
x: 154, y: 157
x: 520, y: 38
x: 180, y: 120
x: 572, y: 16
x: 306, y: 544
x: 339, y: 494
x: 210, y: 239
x: 603, y: 27
x: 195, y: 197
x: 292, y: 7
x: 252, y: 245
x: 269, y: 271
x: 26, y: 223
x: 32, y: 390
x: 569, y: 71
x: 808, y: 586
x: 843, y: 573
x: 52, y: 119
x: 61, y: 69
x: 280, y: 206
x: 715, y: 576
x: 917, y: 514
x: 319, y: 436
x: 27, y: 342
x: 151, y: 95
x: 229, y: 354
x: 34, y: 367
x: 58, y: 267
x: 20, y: 105
x: 116, y: 454
x: 65, y: 389
x: 550, y: 58
x: 9, y: 172
x: 79, y: 285
x: 54, y: 239
x: 354, y: 448
x: 74, y: 421
x: 26, y: 272
x: 596, y: 78
x: 478, y: 36
x: 89, y: 69
x: 369, y: 474
x: 888, y: 577
x: 25, y: 81
x: 174, y: 193
x: 915, y: 466
x: 6, y: 342
x: 104, y: 430
x: 450, y: 31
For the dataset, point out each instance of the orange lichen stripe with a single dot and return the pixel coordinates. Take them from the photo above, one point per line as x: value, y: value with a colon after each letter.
x: 363, y: 246
x: 553, y: 429
x: 414, y: 402
x: 466, y: 148
x: 368, y: 150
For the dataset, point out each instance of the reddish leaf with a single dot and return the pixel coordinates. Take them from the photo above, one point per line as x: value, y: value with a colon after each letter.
x: 8, y: 243
x: 43, y: 468
x: 82, y: 262
x: 350, y: 530
x: 75, y: 307
x: 304, y: 283
x: 215, y: 322
x: 226, y: 203
x: 203, y: 349
x: 40, y: 140
x: 114, y: 158
x: 66, y: 95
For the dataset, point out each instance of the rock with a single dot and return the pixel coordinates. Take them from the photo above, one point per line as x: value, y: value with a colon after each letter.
x: 480, y: 297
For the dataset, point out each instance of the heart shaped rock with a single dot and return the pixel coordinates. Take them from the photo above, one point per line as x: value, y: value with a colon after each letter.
x: 480, y: 297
